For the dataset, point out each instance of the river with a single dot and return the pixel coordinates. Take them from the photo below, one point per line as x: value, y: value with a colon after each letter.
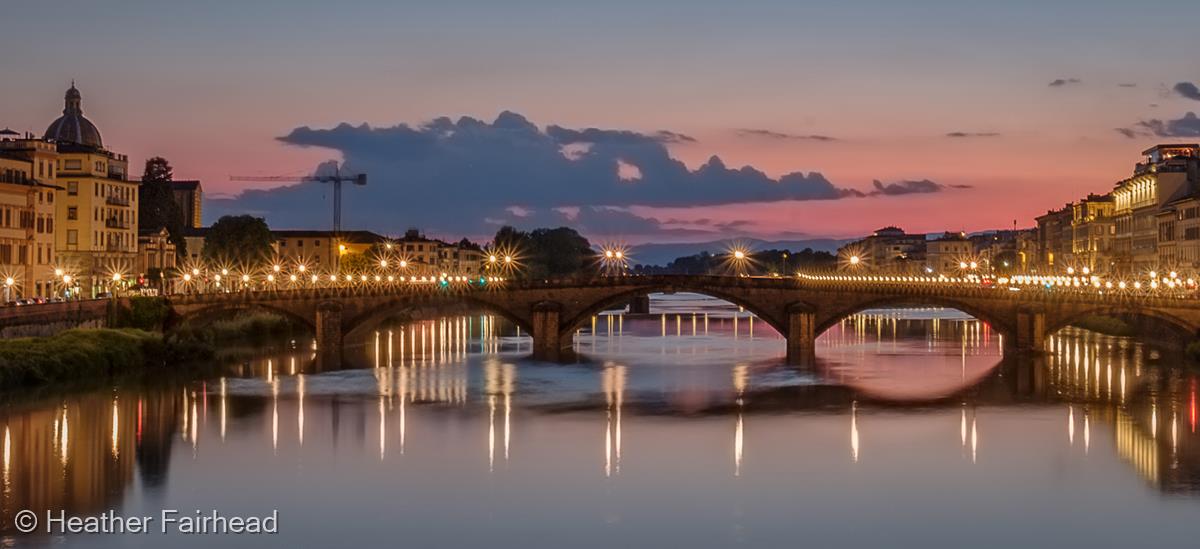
x: 679, y: 428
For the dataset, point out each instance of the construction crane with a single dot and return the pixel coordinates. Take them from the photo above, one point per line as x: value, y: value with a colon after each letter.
x: 336, y: 179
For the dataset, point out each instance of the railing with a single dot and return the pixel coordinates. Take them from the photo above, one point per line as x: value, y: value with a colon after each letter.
x: 115, y: 200
x: 115, y: 223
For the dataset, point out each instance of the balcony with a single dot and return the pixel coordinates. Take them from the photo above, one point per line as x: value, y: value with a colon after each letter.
x: 114, y: 200
x: 115, y: 223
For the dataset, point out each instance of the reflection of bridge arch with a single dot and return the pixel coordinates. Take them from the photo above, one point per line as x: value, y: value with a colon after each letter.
x: 372, y: 316
x: 1159, y: 318
x: 899, y: 301
x: 620, y: 298
x: 221, y: 311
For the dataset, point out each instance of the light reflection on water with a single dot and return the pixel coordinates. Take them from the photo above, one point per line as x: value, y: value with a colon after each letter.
x: 673, y: 427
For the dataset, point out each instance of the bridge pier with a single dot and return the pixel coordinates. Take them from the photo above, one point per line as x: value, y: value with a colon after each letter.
x: 801, y: 337
x: 640, y: 305
x: 547, y: 335
x: 329, y: 336
x: 1031, y: 331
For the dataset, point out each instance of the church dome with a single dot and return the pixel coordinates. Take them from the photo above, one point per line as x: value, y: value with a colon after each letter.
x: 72, y: 126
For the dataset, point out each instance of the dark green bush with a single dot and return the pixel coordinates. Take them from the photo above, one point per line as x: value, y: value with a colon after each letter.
x: 79, y: 354
x: 143, y: 313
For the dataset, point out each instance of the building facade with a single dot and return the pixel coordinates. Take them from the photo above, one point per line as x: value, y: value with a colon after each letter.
x: 945, y: 254
x: 189, y: 195
x: 887, y: 249
x: 96, y: 234
x: 1055, y: 240
x: 27, y: 218
x: 1167, y: 173
x: 1093, y: 229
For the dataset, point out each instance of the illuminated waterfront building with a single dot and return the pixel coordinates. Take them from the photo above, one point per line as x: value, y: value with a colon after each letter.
x: 156, y: 258
x: 96, y: 204
x: 27, y: 169
x: 888, y: 249
x: 323, y: 249
x: 944, y: 254
x: 1054, y: 239
x: 1092, y: 230
x: 1167, y: 174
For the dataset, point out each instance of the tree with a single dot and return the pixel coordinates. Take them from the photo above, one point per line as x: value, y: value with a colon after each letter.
x: 546, y: 253
x: 240, y: 239
x: 156, y: 203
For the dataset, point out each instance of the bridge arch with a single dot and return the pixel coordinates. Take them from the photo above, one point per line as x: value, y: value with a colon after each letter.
x: 1159, y: 319
x: 210, y: 313
x: 607, y: 302
x: 995, y: 319
x: 371, y: 316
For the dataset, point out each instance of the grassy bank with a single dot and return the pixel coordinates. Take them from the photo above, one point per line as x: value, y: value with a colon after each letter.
x: 89, y: 355
x: 80, y: 354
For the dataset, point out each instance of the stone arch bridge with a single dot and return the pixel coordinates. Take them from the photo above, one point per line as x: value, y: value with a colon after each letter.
x: 798, y: 308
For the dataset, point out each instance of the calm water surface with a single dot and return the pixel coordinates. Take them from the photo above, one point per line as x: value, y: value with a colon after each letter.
x: 682, y: 428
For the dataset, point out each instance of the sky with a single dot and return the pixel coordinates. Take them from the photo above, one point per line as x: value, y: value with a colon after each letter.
x: 825, y: 119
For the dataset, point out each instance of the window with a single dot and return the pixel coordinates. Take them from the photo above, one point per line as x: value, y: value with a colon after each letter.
x: 72, y: 213
x: 73, y: 188
x: 73, y: 165
x: 72, y: 237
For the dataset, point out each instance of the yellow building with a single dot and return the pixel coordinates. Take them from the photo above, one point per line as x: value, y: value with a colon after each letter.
x: 96, y: 206
x: 27, y: 169
x: 1168, y: 173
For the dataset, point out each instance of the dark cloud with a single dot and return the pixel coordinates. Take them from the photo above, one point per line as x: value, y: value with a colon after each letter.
x: 972, y: 134
x: 770, y: 134
x: 910, y: 187
x: 1188, y: 126
x: 1188, y: 90
x: 465, y: 176
x: 1127, y: 85
x: 1060, y: 82
x: 1128, y: 132
x: 665, y: 136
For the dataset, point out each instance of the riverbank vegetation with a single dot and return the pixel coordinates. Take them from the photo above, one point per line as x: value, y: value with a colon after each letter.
x: 79, y: 354
x: 89, y: 355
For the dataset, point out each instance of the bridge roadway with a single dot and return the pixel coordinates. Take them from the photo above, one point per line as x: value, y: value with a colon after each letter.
x: 799, y: 308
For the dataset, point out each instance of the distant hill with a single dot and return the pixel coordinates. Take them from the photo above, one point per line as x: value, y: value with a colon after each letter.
x: 661, y: 254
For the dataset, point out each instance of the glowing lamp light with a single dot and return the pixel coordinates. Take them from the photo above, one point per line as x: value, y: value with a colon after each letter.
x: 492, y: 258
x: 292, y: 278
x: 58, y: 272
x: 217, y: 278
x: 974, y: 265
x: 224, y: 272
x: 314, y: 279
x: 187, y: 277
x: 403, y: 264
x: 270, y: 278
x: 739, y: 254
x: 245, y: 278
x: 383, y: 263
x: 116, y: 277
x: 275, y: 268
x: 66, y: 279
x: 508, y: 259
x: 609, y: 254
x: 855, y: 260
x: 195, y: 272
x: 8, y: 281
x: 962, y: 264
x: 620, y: 254
x: 301, y: 267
